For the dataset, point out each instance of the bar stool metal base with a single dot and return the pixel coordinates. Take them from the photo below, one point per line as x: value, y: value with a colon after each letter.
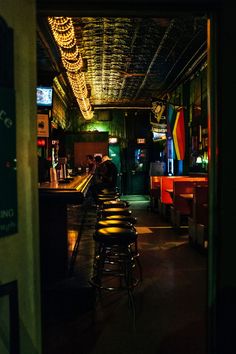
x: 115, y: 267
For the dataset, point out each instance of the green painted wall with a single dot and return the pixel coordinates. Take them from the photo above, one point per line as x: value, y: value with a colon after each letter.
x: 19, y: 253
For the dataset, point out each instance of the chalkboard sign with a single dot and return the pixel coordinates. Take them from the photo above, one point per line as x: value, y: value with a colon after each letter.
x: 8, y: 180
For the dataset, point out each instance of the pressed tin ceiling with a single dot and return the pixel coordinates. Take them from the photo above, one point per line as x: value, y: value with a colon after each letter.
x: 128, y: 61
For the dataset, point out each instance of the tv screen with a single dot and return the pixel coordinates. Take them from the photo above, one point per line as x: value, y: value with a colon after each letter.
x: 158, y: 136
x: 44, y: 96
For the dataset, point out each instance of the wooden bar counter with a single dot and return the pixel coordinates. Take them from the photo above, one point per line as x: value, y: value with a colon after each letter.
x: 53, y: 200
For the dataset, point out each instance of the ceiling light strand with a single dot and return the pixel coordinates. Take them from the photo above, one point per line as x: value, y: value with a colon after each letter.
x: 63, y: 32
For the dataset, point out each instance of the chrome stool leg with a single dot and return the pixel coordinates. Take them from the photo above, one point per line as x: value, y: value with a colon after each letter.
x: 115, y: 263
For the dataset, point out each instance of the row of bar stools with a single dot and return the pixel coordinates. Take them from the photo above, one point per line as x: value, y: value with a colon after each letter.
x: 106, y: 195
x: 114, y: 258
x: 104, y: 213
x: 111, y: 208
x: 116, y: 210
x: 116, y: 265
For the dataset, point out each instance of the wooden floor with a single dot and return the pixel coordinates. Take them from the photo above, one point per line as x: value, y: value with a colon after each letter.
x: 170, y: 302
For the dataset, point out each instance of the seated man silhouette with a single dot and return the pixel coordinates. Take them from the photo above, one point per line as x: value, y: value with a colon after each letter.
x: 108, y: 172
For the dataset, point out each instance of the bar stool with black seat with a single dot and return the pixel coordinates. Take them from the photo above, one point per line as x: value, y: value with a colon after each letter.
x: 130, y: 218
x: 103, y: 213
x: 121, y: 212
x: 115, y: 267
x: 114, y: 190
x: 101, y: 199
x: 114, y: 204
x: 114, y: 223
x: 108, y: 204
x: 106, y: 195
x: 104, y: 198
x: 119, y: 223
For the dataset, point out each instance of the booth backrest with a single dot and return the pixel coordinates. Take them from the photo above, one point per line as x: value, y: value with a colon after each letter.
x: 167, y: 182
x: 155, y: 182
x: 180, y: 204
x: 182, y: 187
x: 200, y: 205
x: 184, y: 206
x: 187, y: 186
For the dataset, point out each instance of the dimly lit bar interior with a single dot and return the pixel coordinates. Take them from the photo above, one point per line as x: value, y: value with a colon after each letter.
x: 116, y: 207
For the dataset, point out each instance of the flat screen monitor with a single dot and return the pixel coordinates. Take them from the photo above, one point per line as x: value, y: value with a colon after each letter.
x: 44, y: 96
x: 158, y: 136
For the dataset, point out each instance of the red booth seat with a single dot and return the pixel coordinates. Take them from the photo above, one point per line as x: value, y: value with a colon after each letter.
x: 182, y: 207
x: 198, y: 222
x: 167, y: 183
x: 155, y: 182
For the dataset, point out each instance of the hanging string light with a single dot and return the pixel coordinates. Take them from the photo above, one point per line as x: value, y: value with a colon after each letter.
x: 63, y: 32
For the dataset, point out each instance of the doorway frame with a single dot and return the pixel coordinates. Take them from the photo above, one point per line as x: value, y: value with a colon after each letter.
x: 161, y: 8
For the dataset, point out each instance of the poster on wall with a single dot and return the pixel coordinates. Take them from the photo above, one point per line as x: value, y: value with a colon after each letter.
x: 158, y: 119
x: 8, y: 170
x: 43, y: 125
x: 158, y: 112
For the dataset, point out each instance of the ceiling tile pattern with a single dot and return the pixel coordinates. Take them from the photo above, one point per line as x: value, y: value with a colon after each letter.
x: 131, y: 60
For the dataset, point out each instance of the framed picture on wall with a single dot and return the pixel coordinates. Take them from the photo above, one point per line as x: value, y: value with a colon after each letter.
x: 9, y: 318
x: 43, y: 125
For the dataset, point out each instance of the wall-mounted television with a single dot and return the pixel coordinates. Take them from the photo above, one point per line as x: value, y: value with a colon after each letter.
x: 158, y: 136
x: 44, y: 96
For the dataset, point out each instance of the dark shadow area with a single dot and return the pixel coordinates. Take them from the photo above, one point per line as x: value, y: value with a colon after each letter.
x: 170, y: 303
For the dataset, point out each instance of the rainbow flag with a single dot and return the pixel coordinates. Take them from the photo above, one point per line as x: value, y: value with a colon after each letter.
x: 179, y: 134
x: 171, y: 114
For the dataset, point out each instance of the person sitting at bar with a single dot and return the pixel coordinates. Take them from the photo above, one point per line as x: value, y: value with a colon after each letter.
x: 108, y: 171
x: 96, y: 183
x: 90, y: 164
x: 105, y: 176
x: 97, y: 171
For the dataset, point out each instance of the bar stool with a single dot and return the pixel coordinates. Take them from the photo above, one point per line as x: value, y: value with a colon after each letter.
x: 113, y: 223
x: 112, y: 211
x: 129, y: 218
x: 106, y: 194
x: 114, y: 204
x: 115, y: 268
x: 111, y: 194
x: 101, y: 200
x: 114, y: 190
x: 105, y: 198
x: 120, y: 221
